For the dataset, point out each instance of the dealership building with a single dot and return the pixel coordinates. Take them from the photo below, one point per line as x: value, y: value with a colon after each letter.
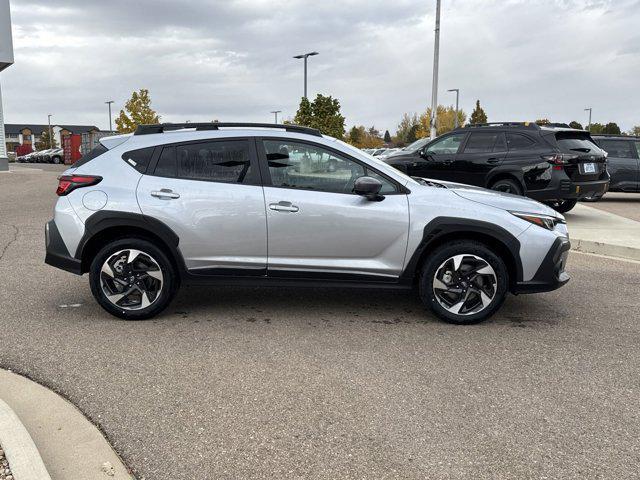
x: 21, y: 138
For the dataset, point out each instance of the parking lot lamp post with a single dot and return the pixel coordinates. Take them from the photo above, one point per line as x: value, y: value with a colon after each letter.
x: 590, y: 111
x: 457, y: 90
x: 50, y: 138
x: 305, y: 56
x: 434, y: 92
x: 276, y: 112
x: 110, y: 125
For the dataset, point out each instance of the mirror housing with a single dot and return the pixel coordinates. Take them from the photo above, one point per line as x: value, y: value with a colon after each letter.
x: 369, y: 188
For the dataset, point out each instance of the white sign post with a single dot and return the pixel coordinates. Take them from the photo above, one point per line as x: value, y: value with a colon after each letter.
x: 6, y: 60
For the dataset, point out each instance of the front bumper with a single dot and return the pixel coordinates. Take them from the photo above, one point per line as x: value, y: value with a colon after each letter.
x: 57, y: 254
x: 551, y: 274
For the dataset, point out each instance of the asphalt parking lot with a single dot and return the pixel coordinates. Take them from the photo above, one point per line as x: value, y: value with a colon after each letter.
x: 624, y: 204
x: 281, y: 383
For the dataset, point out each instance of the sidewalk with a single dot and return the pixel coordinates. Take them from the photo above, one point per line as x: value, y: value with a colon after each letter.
x: 70, y: 446
x: 596, y: 231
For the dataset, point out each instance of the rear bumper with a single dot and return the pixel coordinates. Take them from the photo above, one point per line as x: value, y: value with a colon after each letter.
x: 551, y: 274
x: 563, y: 188
x: 57, y: 254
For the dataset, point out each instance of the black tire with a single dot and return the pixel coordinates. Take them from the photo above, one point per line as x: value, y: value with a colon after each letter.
x: 169, y: 283
x: 440, y: 256
x: 507, y: 185
x: 57, y: 160
x: 562, y: 206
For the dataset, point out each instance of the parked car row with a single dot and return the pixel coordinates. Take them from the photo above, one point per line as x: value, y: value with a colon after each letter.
x: 51, y: 155
x: 556, y: 165
x: 623, y: 162
x: 381, y: 152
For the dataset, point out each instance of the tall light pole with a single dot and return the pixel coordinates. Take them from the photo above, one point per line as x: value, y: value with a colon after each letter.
x: 305, y: 56
x: 590, y: 110
x: 6, y: 60
x: 50, y: 137
x: 457, y: 90
x: 109, y: 102
x: 276, y: 112
x: 434, y: 91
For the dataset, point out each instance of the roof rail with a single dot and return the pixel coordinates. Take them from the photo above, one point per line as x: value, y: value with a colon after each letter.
x: 556, y: 125
x: 503, y: 124
x: 619, y: 135
x: 165, y: 127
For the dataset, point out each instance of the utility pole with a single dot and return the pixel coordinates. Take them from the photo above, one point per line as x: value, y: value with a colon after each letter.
x: 50, y: 137
x: 305, y: 56
x: 6, y: 60
x: 457, y: 90
x: 590, y: 110
x: 110, y: 125
x: 276, y: 112
x: 434, y: 92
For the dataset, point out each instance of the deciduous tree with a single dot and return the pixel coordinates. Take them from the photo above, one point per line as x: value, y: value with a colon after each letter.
x: 137, y: 111
x: 404, y: 127
x: 323, y: 114
x: 576, y: 125
x: 611, y: 128
x: 635, y: 131
x: 445, y: 121
x: 45, y: 142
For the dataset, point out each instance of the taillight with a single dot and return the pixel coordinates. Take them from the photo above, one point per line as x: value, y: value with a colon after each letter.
x: 558, y: 160
x: 68, y: 183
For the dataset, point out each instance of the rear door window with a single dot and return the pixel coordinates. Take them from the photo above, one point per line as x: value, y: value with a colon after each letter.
x: 618, y: 148
x: 227, y: 161
x: 481, y: 142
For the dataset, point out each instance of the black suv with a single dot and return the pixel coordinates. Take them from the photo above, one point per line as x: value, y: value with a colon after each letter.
x: 554, y: 164
x: 623, y: 162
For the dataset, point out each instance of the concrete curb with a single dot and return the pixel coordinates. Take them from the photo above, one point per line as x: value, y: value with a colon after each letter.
x: 70, y: 446
x: 606, y: 249
x: 23, y: 456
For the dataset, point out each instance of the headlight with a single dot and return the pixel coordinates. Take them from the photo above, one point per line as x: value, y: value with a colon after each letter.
x: 544, y: 221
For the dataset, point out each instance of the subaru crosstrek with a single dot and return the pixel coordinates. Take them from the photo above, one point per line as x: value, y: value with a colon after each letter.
x: 283, y: 205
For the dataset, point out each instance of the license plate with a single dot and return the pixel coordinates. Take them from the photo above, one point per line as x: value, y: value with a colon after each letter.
x: 589, y: 167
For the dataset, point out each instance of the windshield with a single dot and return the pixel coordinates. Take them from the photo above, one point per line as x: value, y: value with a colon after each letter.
x: 417, y: 145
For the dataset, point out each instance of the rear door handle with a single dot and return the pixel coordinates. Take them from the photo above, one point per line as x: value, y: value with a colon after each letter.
x: 165, y: 194
x: 493, y: 160
x: 283, y: 206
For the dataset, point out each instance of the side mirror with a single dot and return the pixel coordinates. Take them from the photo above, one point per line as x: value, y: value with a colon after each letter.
x: 369, y: 188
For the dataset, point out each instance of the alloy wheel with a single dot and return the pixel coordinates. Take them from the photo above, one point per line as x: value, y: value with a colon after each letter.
x: 465, y: 284
x: 131, y: 279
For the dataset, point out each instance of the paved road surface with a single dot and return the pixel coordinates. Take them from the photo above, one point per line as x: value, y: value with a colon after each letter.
x: 281, y: 383
x: 623, y: 204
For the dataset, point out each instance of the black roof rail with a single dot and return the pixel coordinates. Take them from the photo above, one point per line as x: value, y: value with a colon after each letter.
x: 503, y: 124
x: 557, y: 125
x: 165, y: 127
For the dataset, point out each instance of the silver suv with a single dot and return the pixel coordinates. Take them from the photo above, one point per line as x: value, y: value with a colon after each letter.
x: 283, y: 205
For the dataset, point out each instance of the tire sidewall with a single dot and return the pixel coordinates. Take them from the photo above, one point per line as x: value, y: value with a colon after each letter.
x: 447, y: 251
x: 170, y: 280
x: 517, y: 190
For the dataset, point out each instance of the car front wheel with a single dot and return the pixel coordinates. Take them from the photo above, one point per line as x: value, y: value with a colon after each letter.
x: 463, y: 282
x: 133, y: 279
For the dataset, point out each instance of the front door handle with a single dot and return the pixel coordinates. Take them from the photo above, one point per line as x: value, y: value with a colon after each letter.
x: 165, y: 194
x: 493, y: 160
x: 283, y: 206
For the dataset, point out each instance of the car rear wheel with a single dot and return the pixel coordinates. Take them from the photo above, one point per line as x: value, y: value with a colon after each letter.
x: 507, y: 186
x: 562, y: 206
x: 56, y: 160
x: 133, y: 279
x: 463, y: 282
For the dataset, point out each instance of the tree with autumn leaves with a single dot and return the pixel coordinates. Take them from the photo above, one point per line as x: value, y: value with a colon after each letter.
x: 137, y: 111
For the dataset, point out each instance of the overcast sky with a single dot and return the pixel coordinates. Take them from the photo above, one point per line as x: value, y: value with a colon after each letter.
x: 231, y: 60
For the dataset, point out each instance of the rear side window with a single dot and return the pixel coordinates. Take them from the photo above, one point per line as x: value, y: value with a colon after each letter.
x: 222, y: 161
x: 481, y: 142
x: 618, y: 148
x: 576, y: 142
x: 139, y: 159
x: 515, y: 141
x: 96, y: 152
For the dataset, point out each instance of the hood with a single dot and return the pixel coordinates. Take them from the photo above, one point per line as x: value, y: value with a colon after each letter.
x: 504, y: 201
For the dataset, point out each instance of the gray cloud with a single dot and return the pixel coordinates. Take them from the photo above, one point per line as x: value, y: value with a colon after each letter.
x: 231, y: 60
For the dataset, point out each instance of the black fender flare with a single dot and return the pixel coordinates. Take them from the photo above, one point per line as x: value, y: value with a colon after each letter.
x: 440, y: 227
